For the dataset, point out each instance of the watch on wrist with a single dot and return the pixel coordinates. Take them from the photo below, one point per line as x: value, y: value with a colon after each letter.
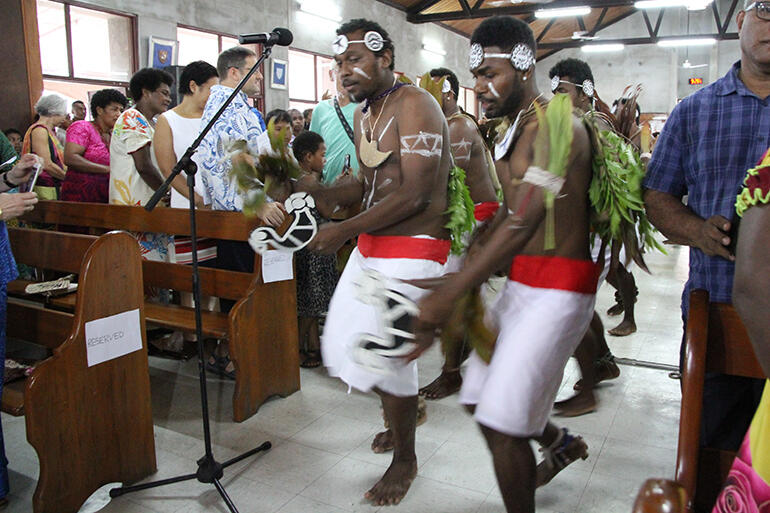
x: 8, y: 182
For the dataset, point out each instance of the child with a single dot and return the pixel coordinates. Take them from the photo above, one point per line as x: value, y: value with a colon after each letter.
x: 316, y: 273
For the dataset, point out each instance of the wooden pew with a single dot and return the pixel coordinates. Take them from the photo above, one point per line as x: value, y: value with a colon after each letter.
x: 716, y: 341
x: 261, y: 328
x: 89, y: 425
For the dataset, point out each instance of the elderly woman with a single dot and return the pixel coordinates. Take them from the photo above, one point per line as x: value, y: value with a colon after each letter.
x: 87, y: 152
x: 41, y: 140
x: 11, y: 206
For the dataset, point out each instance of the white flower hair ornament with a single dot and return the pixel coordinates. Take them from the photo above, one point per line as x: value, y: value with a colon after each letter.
x: 373, y: 41
x: 522, y: 57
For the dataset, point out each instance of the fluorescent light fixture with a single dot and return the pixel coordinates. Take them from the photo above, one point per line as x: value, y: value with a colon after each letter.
x: 659, y: 4
x: 427, y: 47
x: 563, y: 12
x: 320, y: 10
x: 608, y: 47
x: 687, y: 41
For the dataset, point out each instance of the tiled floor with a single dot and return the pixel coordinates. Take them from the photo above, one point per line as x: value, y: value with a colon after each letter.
x: 321, y: 462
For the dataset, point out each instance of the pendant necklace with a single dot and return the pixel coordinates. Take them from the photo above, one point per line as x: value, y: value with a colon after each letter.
x: 367, y: 148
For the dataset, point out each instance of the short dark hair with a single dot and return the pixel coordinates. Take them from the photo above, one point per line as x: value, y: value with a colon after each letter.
x: 9, y: 131
x: 80, y: 102
x: 505, y: 32
x: 578, y: 71
x: 103, y: 97
x: 279, y: 115
x: 449, y: 74
x: 292, y: 111
x: 199, y: 72
x: 306, y: 143
x: 150, y: 79
x: 306, y: 112
x: 365, y: 26
x: 234, y: 57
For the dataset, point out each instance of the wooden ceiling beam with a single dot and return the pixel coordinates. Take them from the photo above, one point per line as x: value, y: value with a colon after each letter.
x: 414, y: 16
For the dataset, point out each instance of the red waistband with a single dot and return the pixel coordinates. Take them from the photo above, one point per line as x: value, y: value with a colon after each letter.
x: 398, y: 246
x: 549, y: 272
x: 486, y: 210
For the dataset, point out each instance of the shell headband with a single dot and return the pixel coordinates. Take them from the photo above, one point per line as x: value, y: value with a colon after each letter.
x: 522, y: 57
x: 372, y: 40
x: 587, y: 86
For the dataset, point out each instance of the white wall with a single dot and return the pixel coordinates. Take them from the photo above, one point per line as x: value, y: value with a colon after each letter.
x: 160, y: 18
x: 656, y: 69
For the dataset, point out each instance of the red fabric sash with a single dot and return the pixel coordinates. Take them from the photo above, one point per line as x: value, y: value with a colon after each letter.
x: 486, y: 210
x: 550, y: 272
x: 397, y: 246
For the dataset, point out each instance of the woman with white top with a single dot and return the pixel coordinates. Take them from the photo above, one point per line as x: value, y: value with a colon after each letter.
x: 175, y: 131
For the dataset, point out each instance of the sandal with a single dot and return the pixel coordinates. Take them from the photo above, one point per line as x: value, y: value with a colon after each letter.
x: 219, y: 367
x: 312, y: 360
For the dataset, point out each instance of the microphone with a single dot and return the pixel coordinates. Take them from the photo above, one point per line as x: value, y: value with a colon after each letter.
x: 279, y: 36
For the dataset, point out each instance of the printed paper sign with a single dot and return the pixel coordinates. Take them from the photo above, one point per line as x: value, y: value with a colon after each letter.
x: 277, y: 266
x: 112, y: 337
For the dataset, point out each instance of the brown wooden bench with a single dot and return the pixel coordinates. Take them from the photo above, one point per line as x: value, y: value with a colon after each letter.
x: 261, y: 328
x: 716, y: 341
x: 89, y: 425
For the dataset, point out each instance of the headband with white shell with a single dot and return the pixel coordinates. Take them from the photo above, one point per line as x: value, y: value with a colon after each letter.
x: 587, y: 86
x: 522, y: 57
x: 372, y: 40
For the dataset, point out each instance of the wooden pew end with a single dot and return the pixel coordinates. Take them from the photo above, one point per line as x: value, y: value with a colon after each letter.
x: 661, y: 496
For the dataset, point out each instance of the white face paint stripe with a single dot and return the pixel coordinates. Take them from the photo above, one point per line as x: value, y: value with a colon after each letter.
x: 493, y: 90
x: 423, y: 144
x: 361, y: 72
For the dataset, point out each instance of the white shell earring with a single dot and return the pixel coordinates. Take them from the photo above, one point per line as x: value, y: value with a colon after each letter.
x: 524, y: 79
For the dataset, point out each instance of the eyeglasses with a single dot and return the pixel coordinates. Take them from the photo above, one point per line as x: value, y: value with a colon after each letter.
x: 762, y: 8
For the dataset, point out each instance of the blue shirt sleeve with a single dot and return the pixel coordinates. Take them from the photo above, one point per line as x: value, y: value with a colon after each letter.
x: 666, y: 171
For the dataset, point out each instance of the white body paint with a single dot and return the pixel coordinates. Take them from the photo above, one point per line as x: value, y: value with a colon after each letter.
x: 493, y: 90
x: 361, y: 72
x: 424, y: 144
x: 544, y: 178
x: 385, y: 129
x: 462, y: 150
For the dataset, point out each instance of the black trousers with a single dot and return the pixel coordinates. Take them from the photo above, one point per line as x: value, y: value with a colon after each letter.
x: 234, y: 255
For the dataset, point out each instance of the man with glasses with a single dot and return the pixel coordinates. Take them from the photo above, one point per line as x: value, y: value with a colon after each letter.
x: 708, y: 142
x: 239, y: 122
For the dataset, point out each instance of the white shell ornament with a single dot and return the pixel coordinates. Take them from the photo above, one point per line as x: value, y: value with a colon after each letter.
x: 588, y: 88
x: 476, y: 56
x: 340, y: 44
x: 297, y: 236
x: 374, y: 41
x: 446, y: 86
x: 555, y: 83
x: 522, y: 57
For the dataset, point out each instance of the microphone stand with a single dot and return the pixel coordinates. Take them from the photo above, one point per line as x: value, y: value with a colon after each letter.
x: 209, y: 469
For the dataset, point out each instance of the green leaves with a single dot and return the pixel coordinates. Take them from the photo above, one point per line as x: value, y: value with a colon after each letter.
x: 460, y: 209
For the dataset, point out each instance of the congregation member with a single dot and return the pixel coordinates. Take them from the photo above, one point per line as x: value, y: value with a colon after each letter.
x: 87, y: 152
x: 316, y: 273
x: 706, y: 145
x: 472, y: 155
x: 15, y: 138
x: 41, y: 140
x: 239, y: 122
x: 297, y: 121
x: 308, y: 115
x: 333, y: 120
x: 547, y: 304
x: 78, y: 111
x: 11, y: 206
x: 281, y: 120
x: 133, y: 174
x: 404, y: 153
x: 8, y: 155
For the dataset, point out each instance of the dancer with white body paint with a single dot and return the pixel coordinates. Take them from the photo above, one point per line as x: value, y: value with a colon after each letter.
x: 405, y: 163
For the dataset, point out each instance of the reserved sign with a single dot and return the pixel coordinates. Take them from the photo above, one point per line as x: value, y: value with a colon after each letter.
x: 112, y: 337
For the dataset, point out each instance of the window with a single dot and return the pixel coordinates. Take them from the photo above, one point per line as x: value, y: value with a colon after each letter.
x: 310, y: 78
x: 204, y: 45
x: 80, y: 44
x: 467, y: 100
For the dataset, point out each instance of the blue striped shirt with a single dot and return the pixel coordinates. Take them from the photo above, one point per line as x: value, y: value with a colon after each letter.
x: 711, y: 138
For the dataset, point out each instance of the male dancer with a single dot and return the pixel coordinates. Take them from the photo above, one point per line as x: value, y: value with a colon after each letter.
x: 472, y: 155
x: 574, y: 78
x: 402, y: 142
x: 548, y: 302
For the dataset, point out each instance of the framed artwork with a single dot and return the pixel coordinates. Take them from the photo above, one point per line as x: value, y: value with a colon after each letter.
x: 279, y: 74
x: 163, y: 52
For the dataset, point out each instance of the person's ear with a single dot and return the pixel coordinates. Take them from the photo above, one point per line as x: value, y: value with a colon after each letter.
x: 386, y: 58
x: 193, y: 87
x: 740, y: 19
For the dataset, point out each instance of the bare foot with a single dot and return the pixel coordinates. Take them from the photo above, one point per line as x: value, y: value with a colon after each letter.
x: 577, y: 405
x: 383, y: 442
x: 615, y: 309
x: 448, y: 383
x: 394, y: 483
x: 605, y: 369
x: 624, y: 328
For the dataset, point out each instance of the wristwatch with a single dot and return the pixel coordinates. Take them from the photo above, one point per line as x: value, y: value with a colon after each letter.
x: 8, y: 182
